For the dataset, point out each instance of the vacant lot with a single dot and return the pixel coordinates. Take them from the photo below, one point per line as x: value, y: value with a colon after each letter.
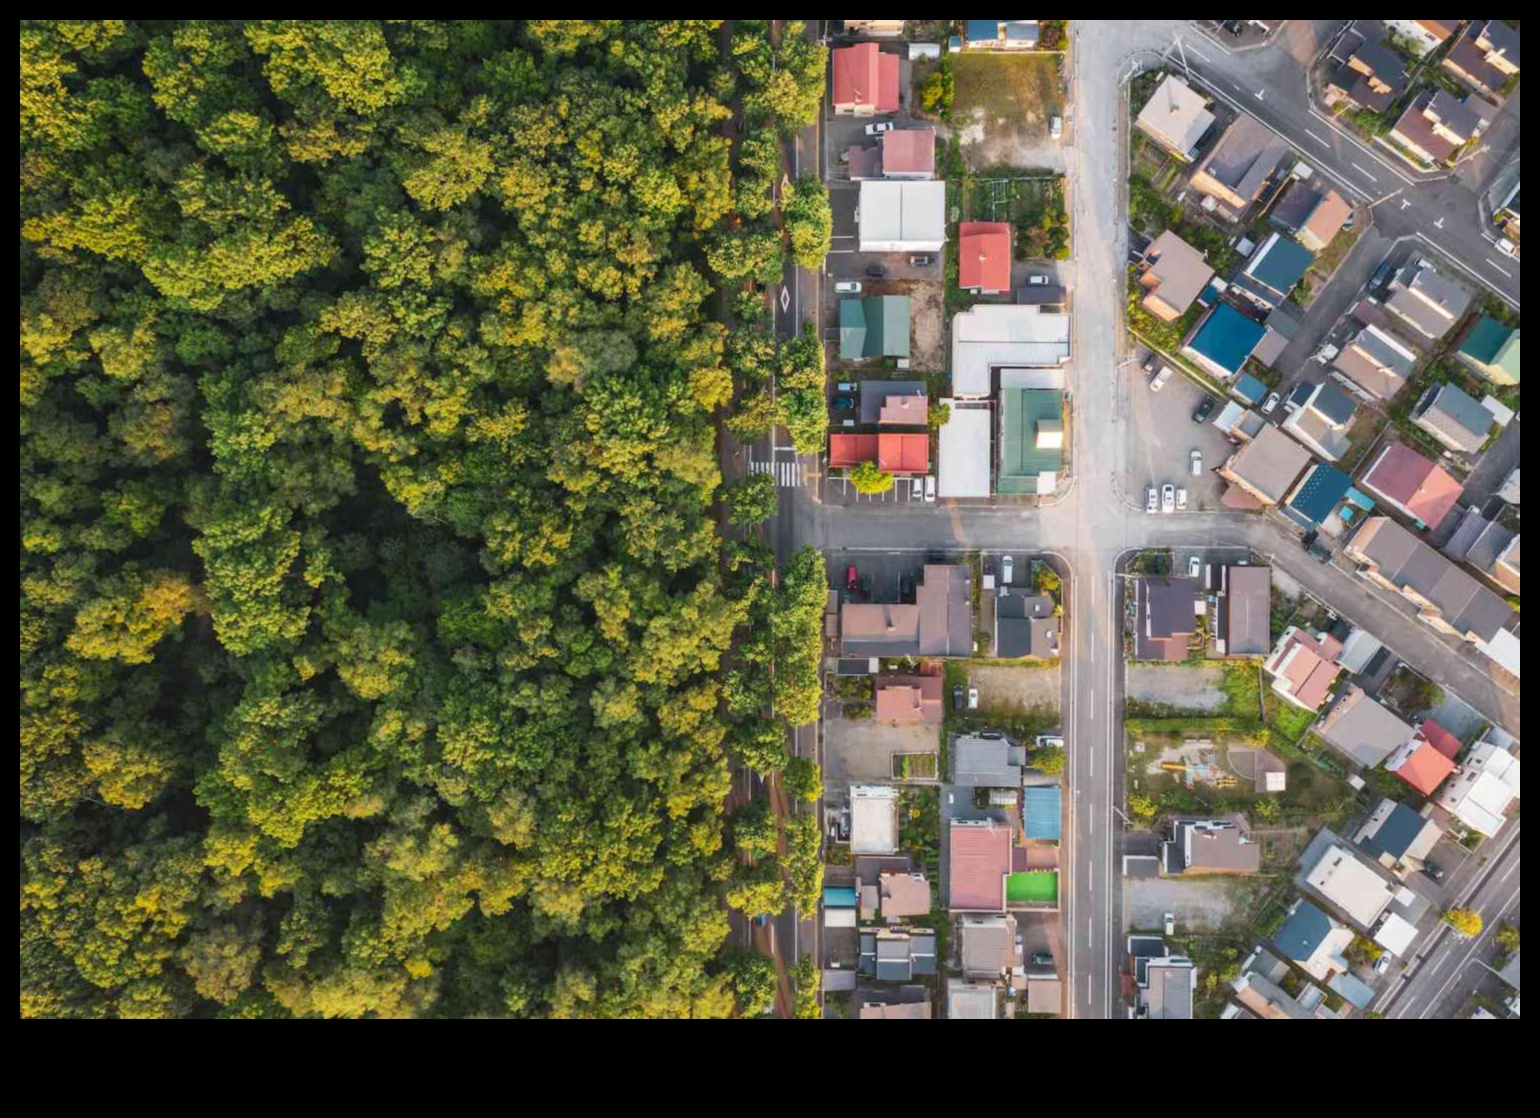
x: 857, y: 751
x: 1001, y: 108
x: 1199, y: 904
x: 927, y: 316
x: 1015, y: 690
x: 1177, y: 685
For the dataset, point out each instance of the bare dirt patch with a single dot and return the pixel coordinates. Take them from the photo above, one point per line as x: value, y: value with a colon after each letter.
x: 1004, y: 689
x: 1001, y: 109
x: 858, y: 751
x: 927, y: 321
x: 1198, y: 904
x: 1177, y: 685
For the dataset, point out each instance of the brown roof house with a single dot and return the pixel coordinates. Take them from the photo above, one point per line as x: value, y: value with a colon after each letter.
x: 1453, y: 418
x: 1409, y: 483
x: 1486, y: 56
x: 907, y: 1003
x: 1267, y: 467
x: 1436, y: 124
x: 1370, y: 74
x: 979, y: 863
x: 1173, y: 275
x: 940, y: 623
x: 1244, y: 607
x: 908, y: 698
x: 1314, y: 217
x: 1164, y: 613
x: 1304, y: 667
x: 1487, y: 545
x: 1175, y: 117
x: 990, y: 947
x: 1210, y: 846
x: 1377, y: 361
x: 901, y: 895
x: 1243, y: 160
x: 1425, y: 300
x: 1362, y: 729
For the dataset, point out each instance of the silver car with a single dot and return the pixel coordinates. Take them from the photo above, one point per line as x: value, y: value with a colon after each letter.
x: 1007, y: 565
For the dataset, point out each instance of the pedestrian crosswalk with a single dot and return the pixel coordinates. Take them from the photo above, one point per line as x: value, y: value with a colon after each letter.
x: 788, y: 474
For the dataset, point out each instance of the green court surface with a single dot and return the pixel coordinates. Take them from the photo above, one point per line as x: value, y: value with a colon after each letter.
x: 1035, y: 887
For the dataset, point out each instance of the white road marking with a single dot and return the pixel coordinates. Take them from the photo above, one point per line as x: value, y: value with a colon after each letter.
x: 1364, y: 173
x: 1492, y: 264
x: 1405, y: 202
x: 1317, y: 139
x: 1190, y: 49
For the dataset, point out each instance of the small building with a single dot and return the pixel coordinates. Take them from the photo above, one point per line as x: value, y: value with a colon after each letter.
x: 1248, y: 389
x: 963, y: 450
x: 897, y: 954
x: 1411, y: 484
x: 1236, y: 169
x: 875, y: 28
x: 1436, y: 125
x: 1164, y: 617
x: 904, y: 699
x: 991, y: 336
x: 865, y: 81
x: 939, y: 623
x: 1031, y: 441
x: 1282, y: 326
x: 1223, y: 341
x: 1487, y: 545
x: 1199, y: 846
x: 1267, y: 467
x: 894, y: 452
x: 1169, y: 989
x: 1304, y: 667
x: 1370, y: 75
x: 873, y: 819
x: 1324, y: 421
x: 1045, y: 995
x: 1453, y: 418
x: 1001, y: 34
x: 1266, y: 1000
x: 1313, y: 217
x: 1396, y: 935
x: 1492, y: 350
x: 908, y: 153
x: 990, y: 946
x: 1376, y: 361
x: 902, y: 895
x: 1173, y: 275
x: 1487, y: 784
x: 1486, y: 56
x: 1175, y: 118
x: 1319, y: 491
x: 979, y: 864
x: 1357, y: 891
x: 1398, y: 837
x: 971, y: 1001
x: 1510, y: 488
x: 907, y: 1003
x: 1362, y: 729
x: 894, y: 403
x: 876, y: 326
x: 984, y: 257
x: 901, y: 215
x: 1313, y: 940
x: 1041, y: 812
x: 1025, y: 626
x: 1426, y: 301
x: 1243, y: 610
x: 1423, y: 35
x: 992, y: 762
x: 1273, y: 270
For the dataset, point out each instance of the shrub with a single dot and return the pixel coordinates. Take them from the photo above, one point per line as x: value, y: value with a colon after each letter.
x: 867, y: 478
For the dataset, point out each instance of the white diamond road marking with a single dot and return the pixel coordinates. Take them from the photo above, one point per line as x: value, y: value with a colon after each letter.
x: 785, y: 298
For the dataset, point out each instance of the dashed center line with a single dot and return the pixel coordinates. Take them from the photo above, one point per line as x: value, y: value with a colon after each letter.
x: 1317, y: 139
x: 1493, y: 265
x: 1365, y: 173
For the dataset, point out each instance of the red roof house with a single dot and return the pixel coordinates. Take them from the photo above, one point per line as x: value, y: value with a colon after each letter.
x: 908, y: 698
x: 909, y: 152
x: 1440, y: 739
x: 1305, y: 668
x: 894, y: 452
x: 865, y: 80
x: 1407, y: 481
x: 984, y: 256
x: 980, y: 860
x: 1420, y: 765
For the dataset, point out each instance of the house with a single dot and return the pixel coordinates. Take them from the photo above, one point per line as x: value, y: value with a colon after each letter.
x: 984, y: 257
x: 1362, y: 729
x: 894, y: 403
x: 1209, y: 846
x: 1223, y: 340
x: 1042, y: 815
x: 1351, y: 885
x: 1239, y: 165
x: 1266, y: 467
x: 1453, y: 418
x: 1376, y: 361
x: 971, y: 1001
x: 1436, y: 124
x: 1411, y: 484
x: 991, y: 336
x: 1316, y: 495
x: 907, y: 1003
x: 1244, y: 602
x: 1426, y: 301
x: 1266, y: 1000
x: 1313, y: 940
x: 1398, y: 837
x: 1045, y: 995
x: 865, y: 80
x: 1273, y: 270
x: 1492, y: 349
x: 901, y: 215
x: 876, y: 326
x: 897, y: 954
x: 1504, y: 569
x: 894, y: 452
x: 1314, y: 217
x: 992, y: 762
x: 902, y: 895
x: 1304, y: 667
x: 1248, y: 389
x: 1175, y: 118
x: 1510, y: 487
x: 1239, y: 424
x: 1163, y: 618
x: 990, y: 946
x: 1323, y: 421
x: 908, y: 698
x: 1031, y: 441
x: 1282, y: 324
x: 1025, y: 626
x: 908, y: 153
x: 1487, y: 545
x: 1370, y: 75
x: 1173, y: 275
x: 1447, y: 598
x: 1487, y: 783
x: 873, y: 819
x: 963, y: 450
x: 1001, y: 34
x: 1168, y: 990
x: 1486, y: 56
x: 1423, y: 764
x: 1422, y: 35
x: 939, y: 623
x: 979, y: 864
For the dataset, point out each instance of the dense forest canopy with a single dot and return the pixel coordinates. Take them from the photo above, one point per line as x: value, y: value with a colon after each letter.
x: 373, y: 604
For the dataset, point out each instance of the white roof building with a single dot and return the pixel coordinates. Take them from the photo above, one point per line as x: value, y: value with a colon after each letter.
x: 993, y: 336
x: 963, y: 455
x: 1480, y: 793
x: 1396, y: 935
x: 902, y: 216
x: 873, y: 819
x: 1359, y: 892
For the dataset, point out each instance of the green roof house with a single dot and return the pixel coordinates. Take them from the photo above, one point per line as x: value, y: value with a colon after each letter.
x: 1031, y: 440
x: 1492, y: 350
x: 877, y: 326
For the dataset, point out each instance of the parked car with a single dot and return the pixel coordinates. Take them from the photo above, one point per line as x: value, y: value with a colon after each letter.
x: 1433, y: 870
x: 959, y: 699
x: 1382, y: 964
x: 843, y: 403
x: 1151, y: 499
x: 1149, y: 365
x: 847, y: 386
x: 876, y: 271
x: 879, y: 127
x: 1181, y: 497
x: 1194, y: 567
x: 866, y: 587
x: 1270, y: 403
x: 1037, y: 280
x: 847, y: 287
x: 1055, y: 127
x: 1007, y: 568
x: 1168, y: 498
x: 1159, y: 380
x: 1168, y: 922
x: 924, y: 260
x: 1196, y: 457
x: 1380, y: 277
x: 1204, y: 409
x: 973, y: 698
x: 852, y: 580
x: 1507, y: 247
x: 930, y: 487
x: 1041, y: 959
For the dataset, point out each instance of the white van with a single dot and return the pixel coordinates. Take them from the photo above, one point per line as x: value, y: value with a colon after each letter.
x: 930, y: 487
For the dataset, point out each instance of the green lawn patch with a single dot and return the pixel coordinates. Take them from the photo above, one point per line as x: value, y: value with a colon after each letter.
x: 1286, y: 720
x: 1020, y: 88
x: 1032, y: 887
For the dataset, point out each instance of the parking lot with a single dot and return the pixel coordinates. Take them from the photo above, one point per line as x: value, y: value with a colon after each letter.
x: 1165, y: 435
x: 880, y: 573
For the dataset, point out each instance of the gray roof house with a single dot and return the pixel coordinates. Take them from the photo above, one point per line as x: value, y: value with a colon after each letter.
x: 1245, y: 602
x: 1425, y: 300
x: 1363, y: 729
x: 1324, y: 420
x: 1163, y: 618
x: 1397, y: 836
x: 990, y: 946
x: 1234, y: 171
x: 980, y: 762
x: 1025, y: 625
x: 1453, y: 418
x: 1175, y: 117
x: 1377, y: 361
x: 1168, y: 992
x: 1209, y: 846
x: 897, y: 954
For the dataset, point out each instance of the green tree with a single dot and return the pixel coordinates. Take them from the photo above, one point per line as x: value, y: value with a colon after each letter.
x: 752, y: 500
x: 867, y: 477
x: 802, y: 780
x: 809, y: 221
x: 754, y: 982
x: 806, y: 979
x: 1048, y: 760
x: 1141, y: 807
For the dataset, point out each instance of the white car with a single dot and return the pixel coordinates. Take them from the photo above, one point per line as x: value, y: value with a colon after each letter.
x: 848, y: 287
x: 1382, y: 964
x: 973, y: 698
x: 1151, y: 499
x: 1055, y: 127
x: 1168, y: 921
x: 1194, y: 567
x: 1507, y: 247
x: 1270, y: 403
x: 880, y: 127
x: 1181, y: 498
x: 1007, y: 566
x: 1196, y: 458
x: 1168, y: 498
x: 1037, y: 279
x: 1160, y: 378
x: 930, y: 487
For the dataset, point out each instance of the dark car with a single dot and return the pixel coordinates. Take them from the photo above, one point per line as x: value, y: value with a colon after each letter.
x: 852, y: 580
x: 1433, y: 870
x: 866, y: 587
x: 1309, y: 540
x: 876, y: 271
x: 1041, y: 959
x: 959, y: 698
x: 844, y: 403
x: 1204, y: 409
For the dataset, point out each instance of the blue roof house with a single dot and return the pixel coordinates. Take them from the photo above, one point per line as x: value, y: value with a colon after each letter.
x: 1313, y: 940
x: 1274, y: 270
x: 1248, y: 388
x: 1314, y: 498
x: 1223, y: 341
x: 1040, y: 813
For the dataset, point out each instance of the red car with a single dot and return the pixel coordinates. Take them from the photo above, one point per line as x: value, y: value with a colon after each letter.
x: 852, y: 580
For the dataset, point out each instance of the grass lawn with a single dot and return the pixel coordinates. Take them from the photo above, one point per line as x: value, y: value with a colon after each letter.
x: 1010, y: 88
x: 1034, y: 887
x: 1286, y: 719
